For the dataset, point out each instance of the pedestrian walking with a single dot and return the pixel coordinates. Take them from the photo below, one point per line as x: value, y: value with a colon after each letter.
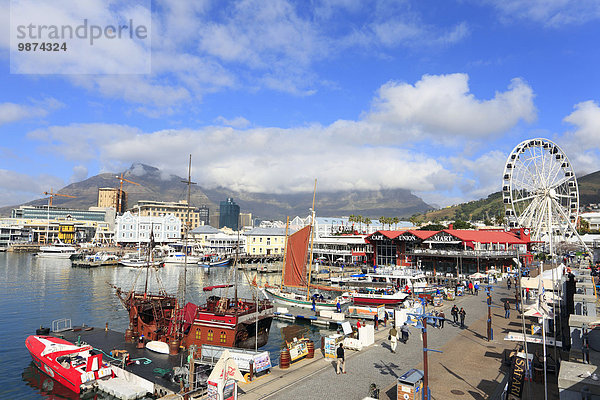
x: 471, y: 288
x: 462, y: 314
x: 517, y: 301
x: 385, y: 319
x: 508, y: 283
x: 314, y: 304
x: 454, y: 312
x: 442, y: 319
x: 506, y: 309
x: 338, y: 306
x: 393, y: 336
x: 341, y: 359
x: 358, y: 325
x: 476, y: 287
x: 376, y: 322
x: 405, y: 332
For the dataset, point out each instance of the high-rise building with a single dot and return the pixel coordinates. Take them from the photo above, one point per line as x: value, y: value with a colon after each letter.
x: 229, y: 214
x: 109, y: 197
x: 245, y: 220
x: 203, y: 215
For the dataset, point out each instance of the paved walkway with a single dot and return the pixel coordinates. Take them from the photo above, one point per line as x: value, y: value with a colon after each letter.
x: 470, y: 367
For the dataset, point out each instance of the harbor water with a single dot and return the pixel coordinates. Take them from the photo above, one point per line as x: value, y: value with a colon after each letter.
x: 34, y: 292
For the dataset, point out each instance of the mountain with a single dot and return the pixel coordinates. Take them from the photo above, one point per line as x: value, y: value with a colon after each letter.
x: 157, y: 185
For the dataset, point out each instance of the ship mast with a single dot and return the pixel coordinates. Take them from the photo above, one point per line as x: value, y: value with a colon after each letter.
x: 312, y: 235
x: 287, y: 224
x: 187, y: 227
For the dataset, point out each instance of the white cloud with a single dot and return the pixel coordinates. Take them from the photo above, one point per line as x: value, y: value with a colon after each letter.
x: 552, y: 13
x: 237, y: 122
x: 270, y: 159
x: 582, y: 145
x: 17, y: 188
x: 12, y: 112
x: 442, y: 104
x: 80, y: 172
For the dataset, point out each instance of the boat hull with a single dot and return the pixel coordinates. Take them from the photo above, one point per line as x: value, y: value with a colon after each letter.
x: 223, y: 263
x: 283, y: 299
x: 63, y: 256
x: 376, y: 300
x: 47, y: 352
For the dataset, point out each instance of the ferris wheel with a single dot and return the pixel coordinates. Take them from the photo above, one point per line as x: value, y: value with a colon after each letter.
x: 539, y: 191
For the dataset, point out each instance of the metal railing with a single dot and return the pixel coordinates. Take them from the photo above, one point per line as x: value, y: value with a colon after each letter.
x: 466, y: 253
x: 60, y: 325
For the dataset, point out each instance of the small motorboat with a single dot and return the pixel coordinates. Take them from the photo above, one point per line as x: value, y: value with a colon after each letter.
x: 213, y: 260
x: 75, y: 367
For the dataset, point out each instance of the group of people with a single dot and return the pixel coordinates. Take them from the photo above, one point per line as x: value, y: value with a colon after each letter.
x: 394, y: 336
x: 456, y: 314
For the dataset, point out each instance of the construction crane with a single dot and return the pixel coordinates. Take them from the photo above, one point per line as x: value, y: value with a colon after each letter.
x: 52, y: 194
x: 120, y: 195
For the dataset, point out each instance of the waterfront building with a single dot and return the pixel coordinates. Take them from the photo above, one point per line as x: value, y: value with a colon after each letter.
x: 451, y: 251
x: 35, y: 230
x: 345, y: 249
x: 222, y: 243
x: 48, y: 224
x: 201, y: 235
x: 329, y: 226
x: 593, y: 219
x: 265, y: 241
x: 53, y: 212
x: 112, y: 197
x: 229, y: 214
x: 12, y: 232
x: 131, y: 228
x: 180, y: 209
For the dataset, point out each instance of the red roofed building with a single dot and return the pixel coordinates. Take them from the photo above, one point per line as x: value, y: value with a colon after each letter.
x: 451, y: 250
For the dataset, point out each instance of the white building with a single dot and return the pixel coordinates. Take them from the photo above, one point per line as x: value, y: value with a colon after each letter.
x: 130, y: 228
x: 592, y: 218
x: 327, y: 226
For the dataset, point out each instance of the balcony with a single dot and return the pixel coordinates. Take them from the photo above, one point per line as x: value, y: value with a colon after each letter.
x: 464, y: 253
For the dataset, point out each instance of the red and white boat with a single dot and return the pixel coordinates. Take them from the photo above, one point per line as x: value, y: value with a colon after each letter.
x: 367, y: 296
x: 73, y: 366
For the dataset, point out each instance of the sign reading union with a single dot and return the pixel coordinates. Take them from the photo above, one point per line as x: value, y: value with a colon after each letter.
x: 407, y: 238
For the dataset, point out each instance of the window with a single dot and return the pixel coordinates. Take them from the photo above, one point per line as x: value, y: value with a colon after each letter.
x: 223, y: 337
x: 268, y: 241
x: 198, y: 334
x: 261, y: 240
x: 209, y: 337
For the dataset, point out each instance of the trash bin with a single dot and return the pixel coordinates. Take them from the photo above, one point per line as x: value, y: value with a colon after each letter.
x: 410, y: 385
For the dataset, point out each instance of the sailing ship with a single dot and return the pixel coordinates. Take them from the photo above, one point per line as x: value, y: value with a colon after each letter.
x: 223, y: 321
x: 296, y: 271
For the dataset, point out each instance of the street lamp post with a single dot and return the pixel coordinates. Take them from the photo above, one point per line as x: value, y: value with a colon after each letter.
x: 423, y: 317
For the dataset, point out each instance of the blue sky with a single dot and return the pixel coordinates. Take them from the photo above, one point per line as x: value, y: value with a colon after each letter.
x: 267, y: 95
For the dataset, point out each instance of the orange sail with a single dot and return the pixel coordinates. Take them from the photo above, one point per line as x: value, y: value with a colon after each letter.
x: 296, y: 258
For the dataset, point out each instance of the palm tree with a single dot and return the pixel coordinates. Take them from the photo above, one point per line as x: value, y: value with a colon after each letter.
x: 359, y: 219
x: 382, y: 222
x: 352, y: 219
x: 367, y: 221
x: 396, y: 220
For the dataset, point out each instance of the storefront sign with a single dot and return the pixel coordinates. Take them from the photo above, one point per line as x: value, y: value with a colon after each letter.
x: 443, y: 238
x: 377, y: 237
x: 517, y: 377
x: 407, y: 238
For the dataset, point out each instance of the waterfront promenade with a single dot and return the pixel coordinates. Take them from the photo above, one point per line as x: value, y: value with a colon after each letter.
x: 470, y: 367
